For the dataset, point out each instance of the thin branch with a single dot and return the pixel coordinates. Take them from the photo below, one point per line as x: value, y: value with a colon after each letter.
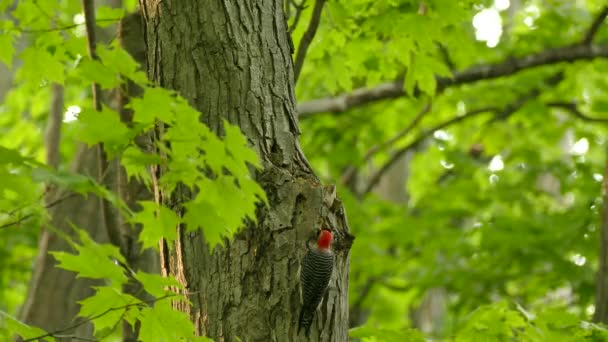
x: 510, y: 66
x: 533, y: 93
x: 88, y: 7
x: 300, y: 7
x: 62, y: 28
x: 425, y: 110
x: 307, y: 38
x: 350, y: 172
x: 595, y: 26
x: 16, y: 222
x: 53, y: 129
x: 355, y: 309
x: 445, y: 55
x: 500, y: 114
x: 27, y: 216
x: 13, y: 211
x: 92, y: 318
x: 572, y: 108
x: 422, y: 137
x: 396, y: 288
x: 366, y: 290
x: 75, y: 338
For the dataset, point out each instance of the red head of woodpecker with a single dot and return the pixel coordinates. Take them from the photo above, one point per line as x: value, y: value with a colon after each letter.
x: 315, y: 272
x: 325, y: 240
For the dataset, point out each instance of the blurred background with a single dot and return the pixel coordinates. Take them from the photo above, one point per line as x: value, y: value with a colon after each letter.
x: 468, y: 140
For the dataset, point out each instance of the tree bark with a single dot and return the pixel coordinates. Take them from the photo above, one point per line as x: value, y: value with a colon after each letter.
x: 231, y: 59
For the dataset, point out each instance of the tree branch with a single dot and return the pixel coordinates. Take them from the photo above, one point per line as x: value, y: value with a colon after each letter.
x: 350, y: 172
x: 425, y: 110
x: 27, y: 216
x: 355, y: 309
x: 533, y: 93
x: 422, y: 137
x: 89, y: 319
x: 307, y: 38
x: 572, y: 108
x: 62, y: 28
x: 300, y: 7
x: 88, y: 7
x: 510, y: 66
x: 500, y: 114
x: 53, y: 127
x: 595, y: 26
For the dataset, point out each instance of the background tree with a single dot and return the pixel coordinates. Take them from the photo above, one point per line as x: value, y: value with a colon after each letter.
x: 466, y: 140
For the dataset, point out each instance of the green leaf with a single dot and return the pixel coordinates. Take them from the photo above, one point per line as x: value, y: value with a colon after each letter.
x: 600, y: 106
x: 410, y: 335
x: 78, y: 183
x: 156, y: 103
x: 163, y: 324
x: 91, y: 71
x: 40, y: 66
x: 237, y: 144
x: 73, y: 181
x: 4, y: 4
x: 159, y: 222
x: 107, y: 16
x: 215, y: 155
x: 220, y: 208
x: 15, y: 326
x: 121, y: 62
x: 156, y: 284
x: 103, y: 127
x: 137, y: 163
x: 131, y: 316
x: 203, y: 214
x: 423, y: 71
x: 13, y: 156
x: 7, y: 50
x: 106, y: 307
x: 93, y: 260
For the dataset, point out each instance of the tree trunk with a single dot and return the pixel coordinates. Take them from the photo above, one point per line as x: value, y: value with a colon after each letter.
x: 231, y: 59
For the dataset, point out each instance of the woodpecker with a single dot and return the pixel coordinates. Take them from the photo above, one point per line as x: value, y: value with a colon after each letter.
x: 315, y: 271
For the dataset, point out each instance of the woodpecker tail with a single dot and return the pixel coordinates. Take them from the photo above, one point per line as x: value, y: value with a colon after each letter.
x: 305, y: 321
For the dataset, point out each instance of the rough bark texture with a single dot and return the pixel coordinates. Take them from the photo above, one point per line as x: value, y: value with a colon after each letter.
x: 231, y: 59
